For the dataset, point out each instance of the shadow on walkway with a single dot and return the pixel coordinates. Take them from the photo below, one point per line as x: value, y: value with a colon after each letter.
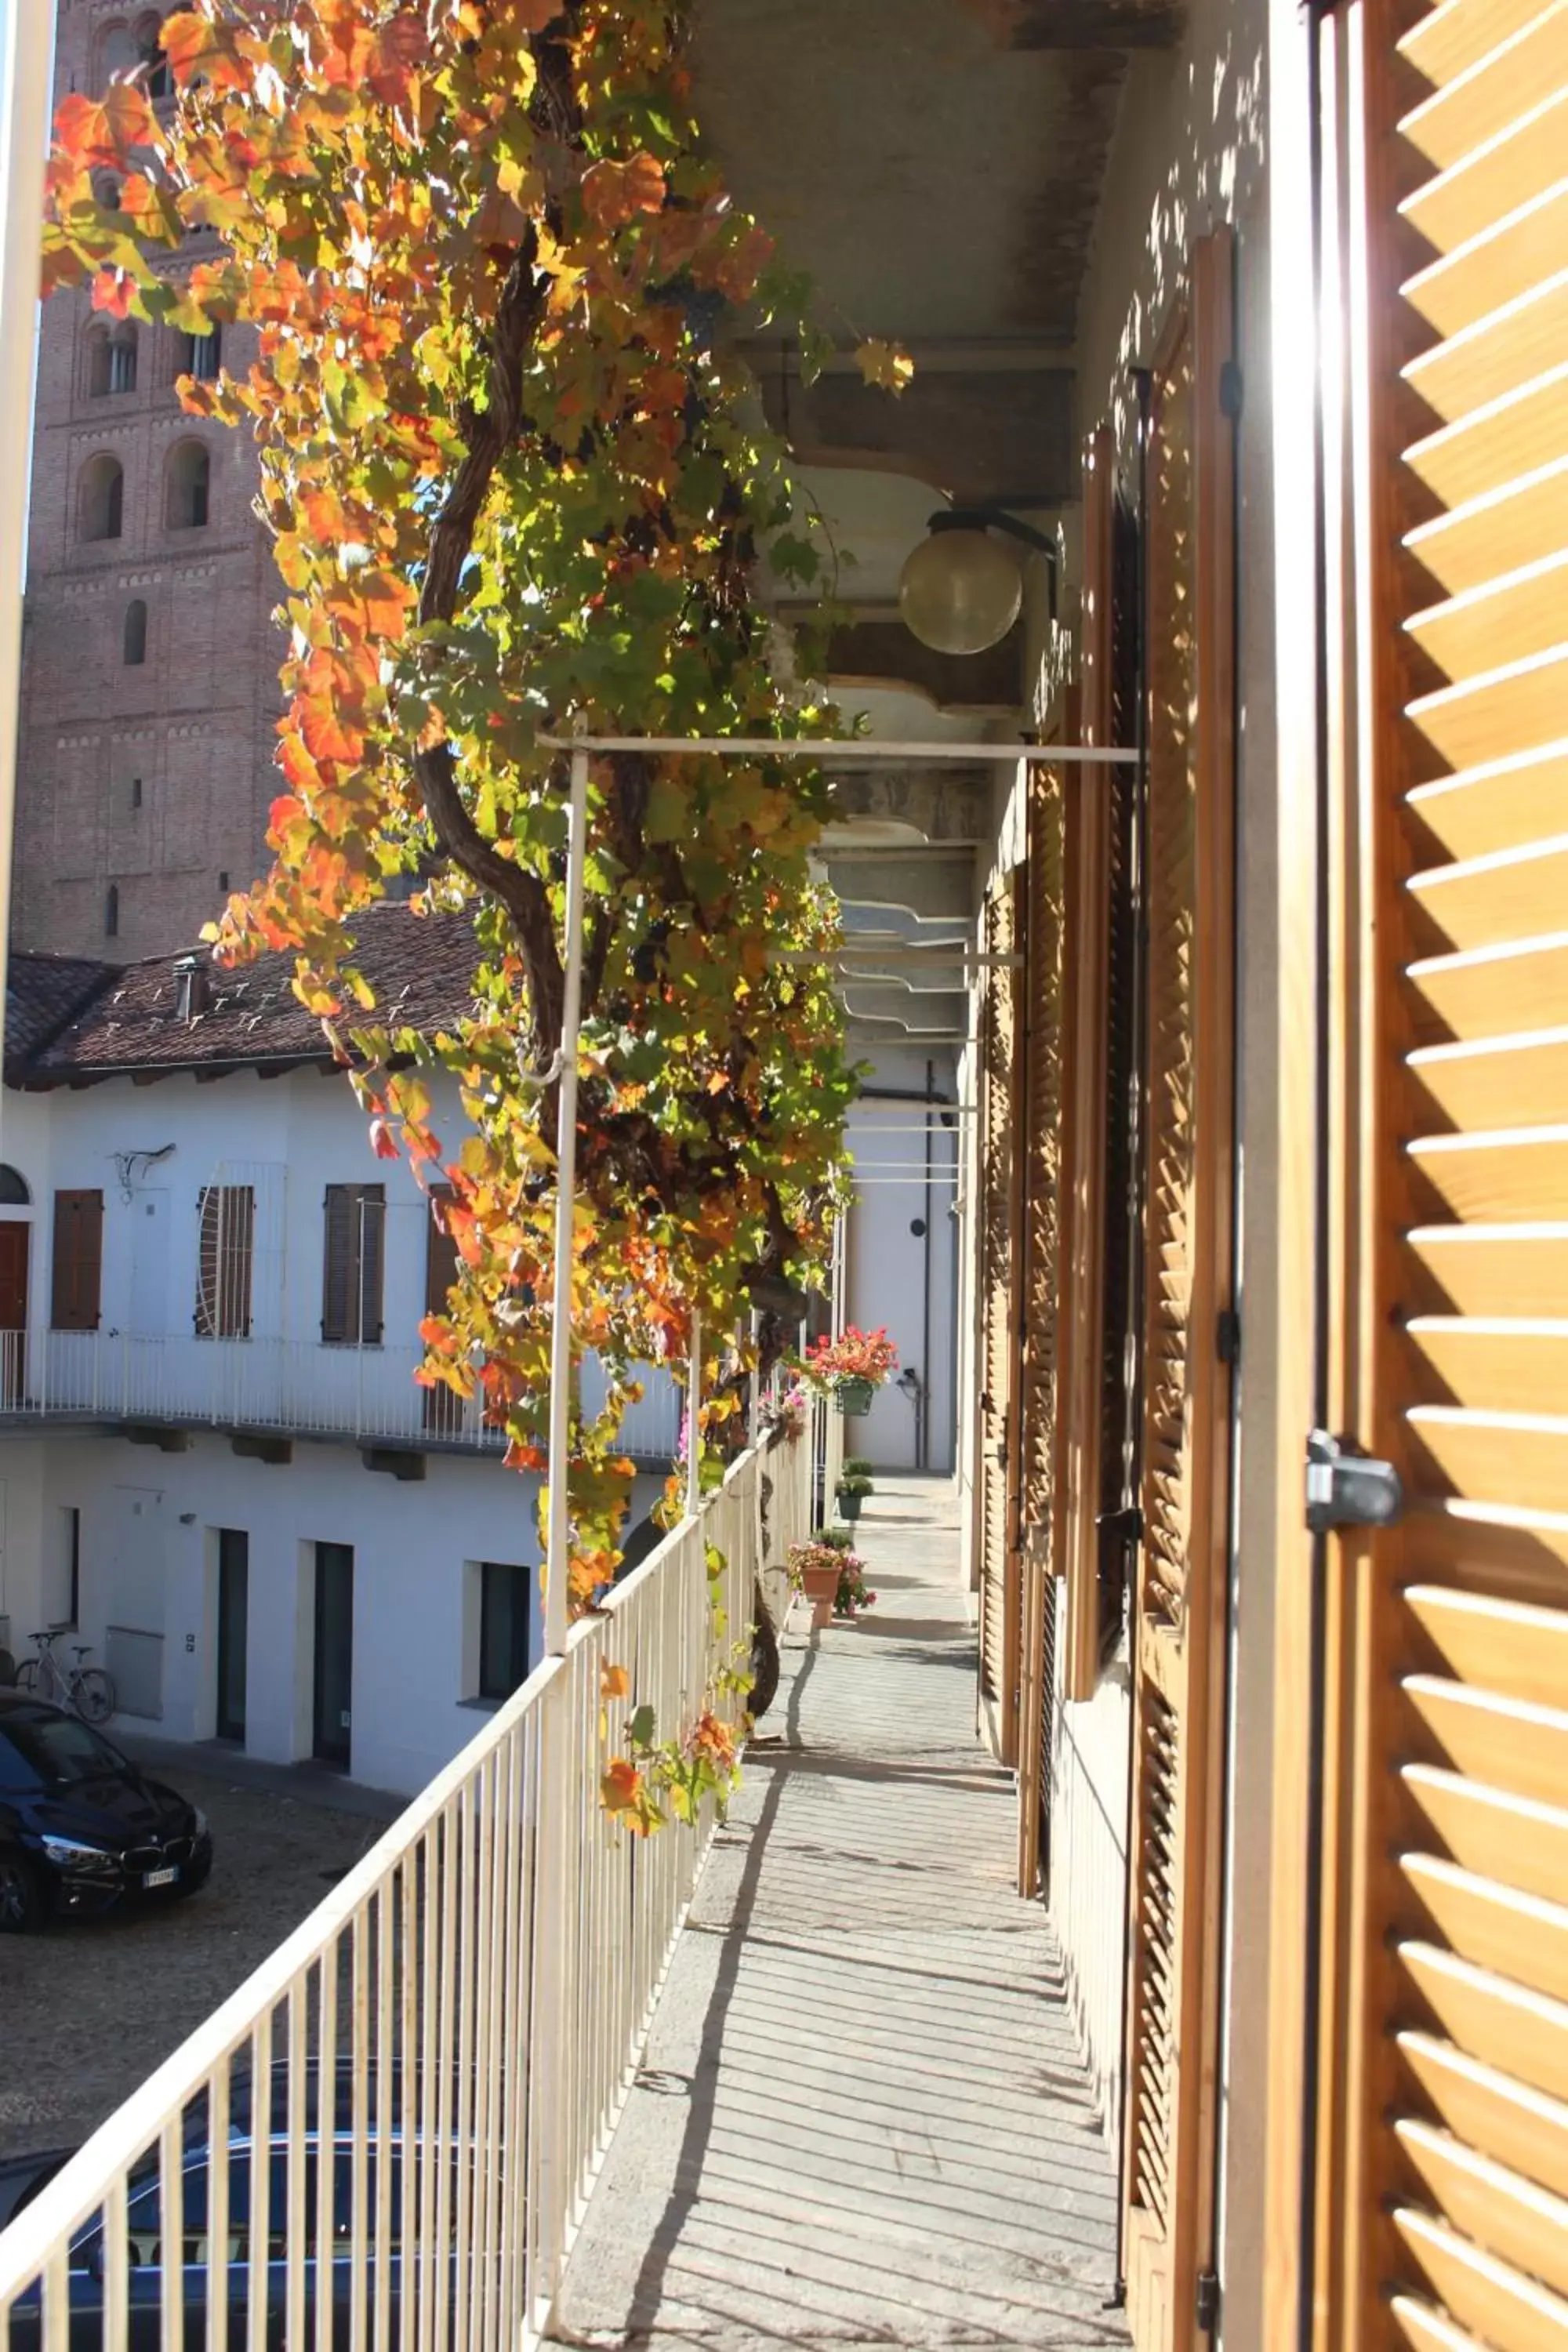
x: 862, y: 2117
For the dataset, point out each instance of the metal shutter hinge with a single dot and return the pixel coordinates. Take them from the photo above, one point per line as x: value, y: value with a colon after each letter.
x: 1348, y: 1488
x: 1209, y: 2301
x: 1227, y: 1336
x: 1128, y: 1525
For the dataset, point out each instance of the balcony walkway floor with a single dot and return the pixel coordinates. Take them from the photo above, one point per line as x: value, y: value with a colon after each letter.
x: 863, y: 2115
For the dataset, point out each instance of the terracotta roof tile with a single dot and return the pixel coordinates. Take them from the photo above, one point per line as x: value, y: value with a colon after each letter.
x: 126, y: 1018
x: 42, y: 993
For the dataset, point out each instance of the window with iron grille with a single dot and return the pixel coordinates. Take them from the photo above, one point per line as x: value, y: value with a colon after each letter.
x: 226, y: 1253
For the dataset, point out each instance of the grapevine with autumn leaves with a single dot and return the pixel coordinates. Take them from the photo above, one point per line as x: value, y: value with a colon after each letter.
x: 514, y: 480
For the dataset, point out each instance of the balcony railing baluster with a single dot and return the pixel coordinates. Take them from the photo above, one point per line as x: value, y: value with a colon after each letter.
x: 271, y: 1384
x: 451, y: 2169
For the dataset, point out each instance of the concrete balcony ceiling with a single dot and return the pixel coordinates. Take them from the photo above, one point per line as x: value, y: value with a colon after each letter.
x: 936, y: 166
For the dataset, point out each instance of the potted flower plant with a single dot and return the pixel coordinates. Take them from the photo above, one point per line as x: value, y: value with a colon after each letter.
x: 853, y: 1367
x: 852, y: 1594
x: 815, y: 1570
x: 854, y: 1485
x: 784, y: 1421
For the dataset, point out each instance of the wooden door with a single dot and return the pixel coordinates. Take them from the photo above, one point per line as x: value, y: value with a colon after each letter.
x: 1178, y: 1619
x: 332, y: 1707
x: 995, y: 1525
x: 233, y: 1631
x: 14, y: 1244
x: 1444, y: 2091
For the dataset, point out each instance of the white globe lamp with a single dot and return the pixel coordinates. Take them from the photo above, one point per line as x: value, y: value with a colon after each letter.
x: 962, y: 588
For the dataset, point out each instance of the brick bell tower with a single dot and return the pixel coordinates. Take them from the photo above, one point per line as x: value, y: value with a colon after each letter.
x: 149, y: 689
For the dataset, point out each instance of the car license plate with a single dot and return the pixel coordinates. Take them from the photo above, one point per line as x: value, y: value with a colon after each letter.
x: 160, y: 1878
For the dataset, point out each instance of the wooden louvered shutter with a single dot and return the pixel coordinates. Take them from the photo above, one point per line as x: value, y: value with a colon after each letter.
x: 1040, y: 1150
x: 1449, y: 1973
x: 371, y: 1238
x: 76, y: 1281
x: 440, y: 1252
x: 443, y: 1409
x: 1178, y: 1618
x: 338, y: 1263
x: 999, y: 1598
x: 1097, y: 1048
x: 353, y: 1223
x: 1087, y: 825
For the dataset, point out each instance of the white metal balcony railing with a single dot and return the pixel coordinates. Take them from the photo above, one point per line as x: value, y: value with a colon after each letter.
x: 458, y: 2022
x: 299, y: 1387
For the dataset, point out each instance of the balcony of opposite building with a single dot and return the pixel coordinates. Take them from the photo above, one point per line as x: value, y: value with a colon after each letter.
x: 265, y: 1392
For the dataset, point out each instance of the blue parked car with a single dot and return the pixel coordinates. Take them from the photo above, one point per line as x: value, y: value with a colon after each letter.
x: 249, y: 2238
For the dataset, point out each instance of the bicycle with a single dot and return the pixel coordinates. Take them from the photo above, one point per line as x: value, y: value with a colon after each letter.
x: 87, y: 1691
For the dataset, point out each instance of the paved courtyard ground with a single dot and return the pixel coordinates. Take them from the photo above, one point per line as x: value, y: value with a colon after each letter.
x: 89, y: 2007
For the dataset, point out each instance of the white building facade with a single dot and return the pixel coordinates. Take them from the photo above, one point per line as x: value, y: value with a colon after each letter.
x: 215, y: 1463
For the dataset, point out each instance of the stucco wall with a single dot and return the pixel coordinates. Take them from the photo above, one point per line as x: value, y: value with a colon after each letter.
x: 287, y: 1138
x: 894, y: 1276
x: 149, y: 1518
x: 1087, y: 1865
x: 148, y: 1563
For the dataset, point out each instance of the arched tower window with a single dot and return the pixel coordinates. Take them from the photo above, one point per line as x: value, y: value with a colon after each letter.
x: 14, y: 1192
x: 112, y: 357
x: 118, y: 53
x: 201, y: 355
x: 150, y: 53
x: 189, y: 478
x: 122, y: 358
x: 135, y: 634
x: 101, y: 510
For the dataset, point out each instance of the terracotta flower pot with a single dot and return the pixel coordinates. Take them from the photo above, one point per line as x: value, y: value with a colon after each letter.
x: 820, y: 1586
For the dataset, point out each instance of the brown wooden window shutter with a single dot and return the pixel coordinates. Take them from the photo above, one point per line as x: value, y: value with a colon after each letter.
x: 440, y: 1252
x: 1178, y: 1617
x: 1446, y: 1858
x: 225, y: 1254
x: 1000, y: 1075
x: 1040, y: 1134
x: 78, y: 1268
x: 443, y: 1407
x: 1041, y: 1142
x: 354, y: 1255
x: 1092, y: 1228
